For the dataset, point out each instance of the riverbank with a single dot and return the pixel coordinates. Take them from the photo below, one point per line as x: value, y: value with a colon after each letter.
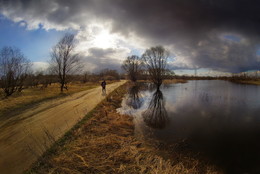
x: 249, y: 82
x: 105, y: 142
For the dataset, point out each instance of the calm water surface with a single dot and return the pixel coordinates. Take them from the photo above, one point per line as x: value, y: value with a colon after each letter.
x: 218, y: 119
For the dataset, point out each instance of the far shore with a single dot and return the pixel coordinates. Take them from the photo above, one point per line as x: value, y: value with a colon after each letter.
x: 249, y: 82
x: 185, y: 80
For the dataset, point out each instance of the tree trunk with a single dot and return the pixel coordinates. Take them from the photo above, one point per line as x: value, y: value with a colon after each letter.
x: 62, y: 87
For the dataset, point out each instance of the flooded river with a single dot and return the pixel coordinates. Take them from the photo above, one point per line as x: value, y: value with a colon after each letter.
x: 218, y: 119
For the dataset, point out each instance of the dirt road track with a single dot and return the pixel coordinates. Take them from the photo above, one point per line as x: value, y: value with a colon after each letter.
x: 24, y: 137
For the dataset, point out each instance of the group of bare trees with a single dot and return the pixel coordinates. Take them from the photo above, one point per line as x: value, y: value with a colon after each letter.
x: 14, y: 68
x: 153, y: 62
x: 65, y: 66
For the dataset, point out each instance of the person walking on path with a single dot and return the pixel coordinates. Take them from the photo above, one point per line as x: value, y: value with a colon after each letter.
x: 103, y: 84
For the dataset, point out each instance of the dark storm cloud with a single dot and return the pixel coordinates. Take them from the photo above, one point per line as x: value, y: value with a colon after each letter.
x: 99, y: 52
x: 194, y: 28
x: 194, y: 18
x: 185, y: 24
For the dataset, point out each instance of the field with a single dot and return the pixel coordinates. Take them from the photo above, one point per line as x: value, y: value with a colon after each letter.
x: 29, y: 96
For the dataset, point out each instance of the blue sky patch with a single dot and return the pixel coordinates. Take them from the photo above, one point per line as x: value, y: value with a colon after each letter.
x: 34, y: 44
x: 232, y: 38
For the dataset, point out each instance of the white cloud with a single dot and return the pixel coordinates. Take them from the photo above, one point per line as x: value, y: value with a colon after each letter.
x: 40, y: 66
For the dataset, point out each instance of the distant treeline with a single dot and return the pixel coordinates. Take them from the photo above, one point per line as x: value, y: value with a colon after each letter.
x: 44, y: 79
x: 234, y: 77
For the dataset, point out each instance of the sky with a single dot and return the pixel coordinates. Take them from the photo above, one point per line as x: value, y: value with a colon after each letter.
x: 208, y: 35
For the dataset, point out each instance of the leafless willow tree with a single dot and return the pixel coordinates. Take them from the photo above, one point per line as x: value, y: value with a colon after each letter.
x: 13, y: 70
x: 155, y: 60
x: 133, y: 67
x: 64, y: 60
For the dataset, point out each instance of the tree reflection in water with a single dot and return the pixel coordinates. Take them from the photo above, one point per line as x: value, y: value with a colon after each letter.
x: 156, y: 115
x: 134, y: 100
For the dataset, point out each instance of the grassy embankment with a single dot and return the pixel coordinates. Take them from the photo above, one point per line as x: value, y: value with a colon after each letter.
x: 104, y: 142
x: 32, y: 96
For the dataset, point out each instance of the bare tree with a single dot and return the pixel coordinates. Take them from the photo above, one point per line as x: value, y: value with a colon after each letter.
x: 13, y: 70
x: 155, y: 60
x: 133, y: 67
x: 86, y: 75
x: 64, y: 61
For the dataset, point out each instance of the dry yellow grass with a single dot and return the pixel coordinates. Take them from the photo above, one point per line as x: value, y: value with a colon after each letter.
x: 35, y: 95
x: 106, y: 144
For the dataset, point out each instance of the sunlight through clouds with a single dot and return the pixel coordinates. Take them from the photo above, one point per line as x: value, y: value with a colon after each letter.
x: 99, y: 46
x: 208, y: 36
x: 96, y: 35
x: 104, y: 40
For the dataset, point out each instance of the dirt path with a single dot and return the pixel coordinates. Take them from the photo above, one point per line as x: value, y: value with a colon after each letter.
x: 25, y: 137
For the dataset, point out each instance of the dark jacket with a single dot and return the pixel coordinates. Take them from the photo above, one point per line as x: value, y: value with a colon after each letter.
x: 103, y: 84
